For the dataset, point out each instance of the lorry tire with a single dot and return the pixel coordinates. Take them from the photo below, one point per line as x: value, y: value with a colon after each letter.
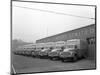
x: 75, y: 58
x: 63, y: 60
x: 50, y: 58
x: 54, y: 58
x: 84, y: 56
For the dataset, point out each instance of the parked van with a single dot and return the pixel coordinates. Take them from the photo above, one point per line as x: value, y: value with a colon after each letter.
x: 45, y: 51
x: 18, y: 51
x: 54, y: 54
x: 74, y: 50
x: 47, y: 48
x: 39, y: 47
x: 27, y: 49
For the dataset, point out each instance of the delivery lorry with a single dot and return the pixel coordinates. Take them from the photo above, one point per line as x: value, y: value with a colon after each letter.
x: 18, y: 51
x: 39, y: 47
x: 44, y: 52
x: 47, y: 48
x: 74, y: 50
x: 54, y: 54
x: 25, y: 50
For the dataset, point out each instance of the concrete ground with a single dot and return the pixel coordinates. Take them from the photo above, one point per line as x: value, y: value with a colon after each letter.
x: 23, y: 64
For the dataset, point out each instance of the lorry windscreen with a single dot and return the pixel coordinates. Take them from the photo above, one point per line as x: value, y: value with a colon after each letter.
x: 71, y: 46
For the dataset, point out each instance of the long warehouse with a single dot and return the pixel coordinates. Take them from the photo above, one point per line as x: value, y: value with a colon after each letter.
x: 88, y: 33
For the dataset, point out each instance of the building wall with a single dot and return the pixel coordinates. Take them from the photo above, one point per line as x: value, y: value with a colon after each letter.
x: 86, y: 33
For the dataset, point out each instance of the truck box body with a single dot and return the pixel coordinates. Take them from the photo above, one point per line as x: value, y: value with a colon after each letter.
x: 74, y: 48
x: 57, y: 49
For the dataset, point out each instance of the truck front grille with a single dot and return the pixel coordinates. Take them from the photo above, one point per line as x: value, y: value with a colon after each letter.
x: 53, y: 54
x: 43, y: 53
x: 65, y: 54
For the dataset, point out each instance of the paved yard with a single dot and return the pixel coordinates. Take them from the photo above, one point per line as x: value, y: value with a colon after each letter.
x: 23, y: 64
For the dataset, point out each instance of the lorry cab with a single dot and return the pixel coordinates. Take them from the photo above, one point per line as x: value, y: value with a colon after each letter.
x: 18, y: 51
x: 74, y: 50
x: 37, y: 50
x: 25, y: 50
x: 59, y: 46
x: 28, y: 51
x: 47, y: 48
x: 38, y: 47
x: 45, y: 51
x: 54, y: 54
x: 32, y: 51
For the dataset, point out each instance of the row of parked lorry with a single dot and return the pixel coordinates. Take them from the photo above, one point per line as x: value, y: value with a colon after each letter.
x: 70, y: 50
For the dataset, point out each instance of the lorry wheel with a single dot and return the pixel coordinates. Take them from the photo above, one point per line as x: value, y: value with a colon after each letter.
x: 51, y: 58
x: 54, y: 59
x: 84, y: 56
x: 41, y: 57
x: 75, y: 58
x: 64, y: 60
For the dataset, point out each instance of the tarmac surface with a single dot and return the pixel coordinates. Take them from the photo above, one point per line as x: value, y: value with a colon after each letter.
x: 24, y: 64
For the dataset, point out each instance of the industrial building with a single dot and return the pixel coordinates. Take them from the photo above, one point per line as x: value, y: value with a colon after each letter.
x: 87, y: 33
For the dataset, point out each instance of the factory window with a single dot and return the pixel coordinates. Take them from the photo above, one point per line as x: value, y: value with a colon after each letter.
x: 79, y: 33
x: 76, y: 34
x: 85, y: 31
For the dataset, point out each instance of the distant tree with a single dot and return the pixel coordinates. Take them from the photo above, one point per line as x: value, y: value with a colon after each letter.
x: 17, y: 42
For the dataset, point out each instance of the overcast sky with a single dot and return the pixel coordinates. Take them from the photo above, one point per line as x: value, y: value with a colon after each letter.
x: 38, y: 22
